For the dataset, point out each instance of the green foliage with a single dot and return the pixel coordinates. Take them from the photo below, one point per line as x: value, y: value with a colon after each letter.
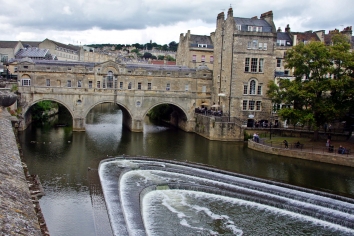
x: 135, y: 51
x: 161, y: 112
x: 170, y: 58
x: 160, y: 57
x: 147, y: 55
x: 323, y: 88
x: 40, y: 110
x: 14, y: 88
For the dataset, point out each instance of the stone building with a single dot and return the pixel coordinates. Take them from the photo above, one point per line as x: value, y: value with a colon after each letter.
x: 244, y: 63
x: 195, y: 50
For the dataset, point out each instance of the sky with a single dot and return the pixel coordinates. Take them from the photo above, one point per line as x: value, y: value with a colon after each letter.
x: 162, y: 21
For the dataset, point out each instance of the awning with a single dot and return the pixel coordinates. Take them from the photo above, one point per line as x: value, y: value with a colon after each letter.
x: 205, y: 104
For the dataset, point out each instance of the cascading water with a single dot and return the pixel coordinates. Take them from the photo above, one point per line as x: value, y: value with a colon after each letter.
x: 157, y: 197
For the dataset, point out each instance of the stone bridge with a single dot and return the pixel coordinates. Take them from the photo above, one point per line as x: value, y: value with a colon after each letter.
x: 135, y: 88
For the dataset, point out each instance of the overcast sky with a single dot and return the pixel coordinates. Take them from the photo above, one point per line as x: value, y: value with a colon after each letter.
x: 162, y: 21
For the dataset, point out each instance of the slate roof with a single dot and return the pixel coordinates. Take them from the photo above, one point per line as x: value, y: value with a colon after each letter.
x: 67, y: 46
x: 32, y: 53
x: 8, y: 44
x: 245, y: 22
x: 200, y: 39
x: 30, y: 43
x: 284, y: 36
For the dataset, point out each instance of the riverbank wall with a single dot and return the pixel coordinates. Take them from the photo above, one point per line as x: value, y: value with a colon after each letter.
x: 17, y: 212
x: 330, y: 158
x: 209, y: 127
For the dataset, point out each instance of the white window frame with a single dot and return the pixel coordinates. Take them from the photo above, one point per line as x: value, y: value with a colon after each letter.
x: 26, y: 82
x: 47, y: 82
x: 186, y: 87
x: 204, y: 89
x: 79, y: 84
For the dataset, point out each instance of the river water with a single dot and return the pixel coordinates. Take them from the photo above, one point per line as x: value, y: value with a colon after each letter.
x: 61, y: 158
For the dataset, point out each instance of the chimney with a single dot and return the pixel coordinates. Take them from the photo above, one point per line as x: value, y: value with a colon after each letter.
x: 287, y: 28
x: 230, y: 13
x: 220, y: 19
x: 268, y: 16
x: 279, y: 29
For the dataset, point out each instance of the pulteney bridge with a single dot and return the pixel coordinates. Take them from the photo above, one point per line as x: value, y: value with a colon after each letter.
x: 136, y: 88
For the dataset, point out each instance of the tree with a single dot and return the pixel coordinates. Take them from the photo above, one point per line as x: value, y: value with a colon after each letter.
x: 160, y: 57
x: 147, y: 55
x: 172, y: 46
x: 322, y: 90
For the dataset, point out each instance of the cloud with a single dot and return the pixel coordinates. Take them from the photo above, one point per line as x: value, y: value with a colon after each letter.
x: 111, y: 21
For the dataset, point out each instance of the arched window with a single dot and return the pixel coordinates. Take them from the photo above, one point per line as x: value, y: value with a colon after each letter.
x: 26, y: 80
x: 109, y: 79
x: 252, y: 87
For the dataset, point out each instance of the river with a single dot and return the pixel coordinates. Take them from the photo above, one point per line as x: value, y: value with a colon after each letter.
x: 61, y: 158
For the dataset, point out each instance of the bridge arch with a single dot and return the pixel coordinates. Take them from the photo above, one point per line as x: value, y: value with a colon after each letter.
x: 28, y: 117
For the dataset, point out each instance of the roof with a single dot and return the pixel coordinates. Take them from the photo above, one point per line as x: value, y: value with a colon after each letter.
x: 32, y: 52
x: 245, y: 22
x: 306, y: 36
x: 30, y: 43
x: 68, y: 46
x: 8, y: 44
x: 200, y: 39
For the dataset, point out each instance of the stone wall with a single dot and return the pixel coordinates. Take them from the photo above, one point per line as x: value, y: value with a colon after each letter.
x: 17, y: 214
x: 211, y: 129
x: 320, y: 157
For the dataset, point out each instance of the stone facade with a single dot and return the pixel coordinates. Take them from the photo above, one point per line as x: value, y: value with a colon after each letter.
x: 195, y: 50
x: 136, y: 88
x: 243, y: 65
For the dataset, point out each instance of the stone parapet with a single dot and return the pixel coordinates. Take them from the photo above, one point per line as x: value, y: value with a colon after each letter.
x: 330, y: 158
x: 17, y: 213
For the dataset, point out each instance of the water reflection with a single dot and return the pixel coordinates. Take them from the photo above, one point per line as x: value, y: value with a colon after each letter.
x: 61, y: 159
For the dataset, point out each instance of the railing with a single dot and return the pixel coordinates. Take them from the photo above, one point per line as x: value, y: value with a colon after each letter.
x: 220, y: 118
x: 307, y: 148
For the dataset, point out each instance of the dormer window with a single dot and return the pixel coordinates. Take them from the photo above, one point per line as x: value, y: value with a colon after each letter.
x: 238, y: 27
x: 202, y: 45
x: 254, y: 28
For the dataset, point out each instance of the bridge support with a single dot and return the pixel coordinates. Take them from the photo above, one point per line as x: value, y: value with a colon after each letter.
x: 137, y: 126
x: 78, y: 124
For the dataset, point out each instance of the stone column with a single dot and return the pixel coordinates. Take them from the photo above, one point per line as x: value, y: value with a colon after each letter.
x: 78, y: 124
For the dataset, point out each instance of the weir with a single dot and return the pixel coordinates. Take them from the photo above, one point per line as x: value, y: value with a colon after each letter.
x: 155, y: 197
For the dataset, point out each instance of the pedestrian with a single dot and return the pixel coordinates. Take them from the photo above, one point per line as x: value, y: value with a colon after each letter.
x: 286, y: 144
x: 328, y: 143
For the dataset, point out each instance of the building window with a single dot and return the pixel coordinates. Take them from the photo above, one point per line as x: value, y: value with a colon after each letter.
x: 260, y: 46
x: 258, y: 105
x: 90, y: 84
x: 4, y: 58
x: 202, y: 45
x: 260, y: 68
x: 278, y: 62
x: 203, y: 58
x: 121, y: 85
x: 247, y: 65
x: 98, y: 84
x: 254, y: 62
x: 168, y: 87
x: 211, y: 59
x: 265, y: 46
x: 47, y: 82
x: 251, y: 105
x: 254, y: 44
x: 245, y: 88
x: 238, y: 27
x: 15, y: 69
x: 26, y: 82
x: 149, y: 86
x: 286, y: 72
x: 204, y: 89
x: 249, y: 44
x: 281, y: 42
x: 244, y: 105
x: 130, y: 85
x: 109, y: 79
x: 186, y: 87
x: 79, y: 83
x: 139, y: 85
x: 259, y: 90
x: 68, y: 83
x: 252, y: 87
x: 194, y: 58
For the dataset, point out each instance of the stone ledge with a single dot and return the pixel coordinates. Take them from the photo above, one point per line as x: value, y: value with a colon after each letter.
x: 312, y: 156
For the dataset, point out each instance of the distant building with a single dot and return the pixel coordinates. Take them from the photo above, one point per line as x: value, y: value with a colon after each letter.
x: 195, y: 50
